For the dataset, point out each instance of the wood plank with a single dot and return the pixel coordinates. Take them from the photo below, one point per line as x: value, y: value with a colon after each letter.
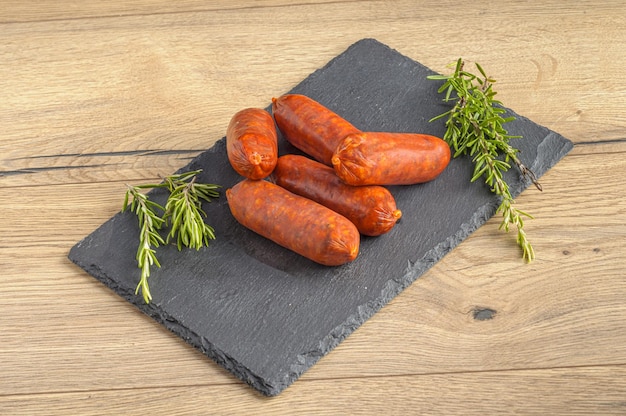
x: 573, y: 391
x: 102, y: 87
x: 571, y: 190
x: 15, y: 11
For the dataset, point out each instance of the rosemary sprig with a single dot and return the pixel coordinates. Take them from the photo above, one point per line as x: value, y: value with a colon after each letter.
x: 182, y: 213
x: 149, y: 238
x: 183, y: 210
x: 474, y: 127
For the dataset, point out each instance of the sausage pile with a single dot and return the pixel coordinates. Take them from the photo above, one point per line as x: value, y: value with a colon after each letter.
x: 320, y: 206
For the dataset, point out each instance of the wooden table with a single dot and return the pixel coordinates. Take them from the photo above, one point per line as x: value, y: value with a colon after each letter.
x: 94, y: 95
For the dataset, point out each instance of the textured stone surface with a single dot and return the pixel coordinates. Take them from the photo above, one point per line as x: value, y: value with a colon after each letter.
x: 267, y: 314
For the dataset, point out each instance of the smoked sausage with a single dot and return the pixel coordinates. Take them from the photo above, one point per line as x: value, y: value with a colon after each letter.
x: 390, y: 158
x: 309, y: 126
x: 251, y: 143
x: 294, y: 222
x: 371, y: 208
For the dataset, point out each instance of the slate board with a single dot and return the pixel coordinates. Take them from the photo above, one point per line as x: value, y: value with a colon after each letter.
x: 267, y: 314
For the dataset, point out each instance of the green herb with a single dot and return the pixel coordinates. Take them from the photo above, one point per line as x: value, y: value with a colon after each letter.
x: 474, y: 127
x: 183, y: 210
x: 149, y: 238
x: 182, y: 213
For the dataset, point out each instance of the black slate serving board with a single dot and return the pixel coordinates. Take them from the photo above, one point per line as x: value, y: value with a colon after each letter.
x: 267, y: 314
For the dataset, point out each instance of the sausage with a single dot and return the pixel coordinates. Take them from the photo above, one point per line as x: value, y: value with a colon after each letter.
x: 371, y: 208
x: 294, y: 222
x: 309, y: 126
x: 251, y: 143
x: 390, y: 158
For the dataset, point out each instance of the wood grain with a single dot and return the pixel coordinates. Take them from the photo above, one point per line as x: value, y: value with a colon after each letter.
x: 96, y: 95
x: 536, y: 392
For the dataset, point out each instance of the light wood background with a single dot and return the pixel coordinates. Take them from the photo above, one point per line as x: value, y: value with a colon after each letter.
x: 94, y: 95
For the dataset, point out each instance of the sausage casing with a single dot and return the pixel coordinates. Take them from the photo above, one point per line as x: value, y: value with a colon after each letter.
x: 251, y: 143
x: 390, y: 158
x: 371, y: 208
x: 294, y: 222
x: 310, y: 126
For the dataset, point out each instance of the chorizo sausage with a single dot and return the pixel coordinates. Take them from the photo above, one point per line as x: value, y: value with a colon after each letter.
x: 309, y: 126
x: 390, y: 158
x: 294, y: 222
x: 371, y: 208
x: 251, y: 143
